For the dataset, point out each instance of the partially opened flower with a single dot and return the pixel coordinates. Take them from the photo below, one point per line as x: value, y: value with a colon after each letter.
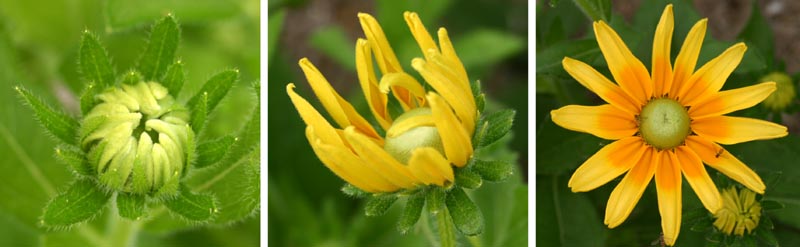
x: 420, y: 145
x: 425, y: 147
x: 664, y: 123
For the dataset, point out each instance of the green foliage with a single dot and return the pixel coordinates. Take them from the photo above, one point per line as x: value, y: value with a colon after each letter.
x: 467, y: 218
x: 331, y: 41
x: 57, y: 123
x: 494, y: 171
x: 131, y: 206
x: 215, y: 89
x: 174, y: 78
x: 377, y: 205
x: 129, y: 13
x: 95, y: 66
x: 497, y: 125
x: 411, y: 212
x: 161, y: 47
x: 212, y: 151
x: 75, y: 159
x: 468, y: 179
x: 192, y: 206
x: 595, y: 9
x: 79, y: 203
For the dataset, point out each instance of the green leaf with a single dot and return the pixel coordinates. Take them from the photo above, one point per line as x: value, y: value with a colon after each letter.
x: 549, y: 60
x: 480, y: 98
x: 758, y: 34
x: 131, y: 206
x: 161, y: 48
x: 767, y: 236
x: 247, y: 141
x: 212, y: 151
x: 87, y: 98
x: 93, y: 61
x: 122, y: 14
x: 131, y: 77
x: 570, y: 218
x: 411, y: 212
x: 191, y: 206
x: 499, y: 123
x: 174, y: 79
x: 56, y: 122
x: 75, y: 159
x: 771, y: 205
x: 216, y: 88
x: 702, y: 225
x: 236, y: 187
x: 495, y: 171
x: 466, y: 216
x: 333, y: 42
x: 199, y: 113
x: 435, y: 199
x: 350, y: 190
x: 596, y: 10
x: 566, y: 149
x: 467, y: 178
x: 79, y: 203
x: 275, y: 24
x: 377, y: 205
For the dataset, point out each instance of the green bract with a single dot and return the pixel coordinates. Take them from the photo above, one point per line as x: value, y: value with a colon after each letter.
x: 137, y: 143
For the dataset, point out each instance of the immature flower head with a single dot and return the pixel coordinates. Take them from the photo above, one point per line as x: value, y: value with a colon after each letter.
x: 137, y: 138
x: 783, y: 95
x: 423, y: 143
x: 740, y: 212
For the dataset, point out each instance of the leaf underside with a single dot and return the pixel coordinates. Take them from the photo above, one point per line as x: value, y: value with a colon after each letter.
x: 191, y: 206
x: 55, y: 122
x: 161, y: 48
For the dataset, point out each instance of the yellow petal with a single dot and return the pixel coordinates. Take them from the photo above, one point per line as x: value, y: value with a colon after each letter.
x: 661, y: 66
x: 337, y: 168
x: 720, y: 159
x: 405, y: 81
x: 625, y: 196
x: 455, y: 139
x: 375, y: 156
x: 627, y: 70
x: 369, y: 84
x: 668, y: 187
x: 604, y: 121
x: 608, y: 163
x: 387, y: 61
x: 449, y: 91
x: 729, y: 101
x: 698, y: 178
x: 599, y: 84
x: 732, y: 130
x: 343, y: 157
x: 311, y: 117
x: 449, y: 53
x: 340, y: 110
x: 448, y: 69
x: 429, y: 163
x: 687, y: 57
x: 710, y: 78
x: 424, y: 39
x: 410, y: 123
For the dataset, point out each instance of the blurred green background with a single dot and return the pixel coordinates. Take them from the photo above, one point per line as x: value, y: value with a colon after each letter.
x: 38, y: 49
x: 562, y: 29
x: 306, y: 207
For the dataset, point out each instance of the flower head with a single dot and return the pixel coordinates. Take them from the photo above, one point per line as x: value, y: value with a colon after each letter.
x: 740, y: 211
x: 137, y: 138
x: 665, y: 123
x: 783, y: 95
x: 423, y: 143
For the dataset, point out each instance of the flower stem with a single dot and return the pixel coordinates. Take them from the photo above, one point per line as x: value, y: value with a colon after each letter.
x: 447, y: 236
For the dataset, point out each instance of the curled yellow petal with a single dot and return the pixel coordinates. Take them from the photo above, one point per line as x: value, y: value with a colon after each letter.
x: 424, y: 39
x: 429, y: 163
x: 375, y: 156
x: 369, y: 84
x: 455, y: 139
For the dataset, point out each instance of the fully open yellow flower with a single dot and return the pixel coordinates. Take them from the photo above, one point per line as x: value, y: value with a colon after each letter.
x: 665, y: 123
x: 422, y: 144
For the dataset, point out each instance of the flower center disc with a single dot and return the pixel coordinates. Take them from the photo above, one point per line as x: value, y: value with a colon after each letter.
x: 411, y: 131
x: 664, y: 123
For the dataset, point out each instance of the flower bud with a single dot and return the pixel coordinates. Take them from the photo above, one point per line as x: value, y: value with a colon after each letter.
x: 414, y: 129
x: 137, y: 138
x: 784, y: 93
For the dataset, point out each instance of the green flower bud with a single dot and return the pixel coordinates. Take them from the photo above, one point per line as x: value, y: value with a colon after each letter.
x: 740, y: 212
x: 137, y: 138
x: 411, y: 131
x: 784, y: 93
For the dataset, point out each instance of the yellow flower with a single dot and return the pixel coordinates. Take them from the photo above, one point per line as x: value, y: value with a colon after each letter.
x: 422, y: 144
x: 784, y: 95
x: 665, y: 123
x: 740, y: 212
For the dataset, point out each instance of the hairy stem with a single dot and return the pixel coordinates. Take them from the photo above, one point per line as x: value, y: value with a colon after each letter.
x: 447, y: 236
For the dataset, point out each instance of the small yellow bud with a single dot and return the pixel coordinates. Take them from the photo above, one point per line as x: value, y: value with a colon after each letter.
x: 783, y: 95
x: 740, y: 212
